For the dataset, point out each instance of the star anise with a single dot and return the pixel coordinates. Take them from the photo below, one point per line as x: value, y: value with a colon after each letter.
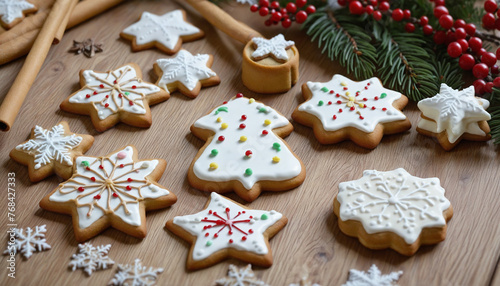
x: 87, y: 47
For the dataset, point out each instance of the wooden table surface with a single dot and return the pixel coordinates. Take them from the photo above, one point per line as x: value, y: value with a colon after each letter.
x: 311, y: 244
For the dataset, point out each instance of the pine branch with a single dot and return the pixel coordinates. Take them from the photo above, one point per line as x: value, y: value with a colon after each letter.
x: 494, y: 111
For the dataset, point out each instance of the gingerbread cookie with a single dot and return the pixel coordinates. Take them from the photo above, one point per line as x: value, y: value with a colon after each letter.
x: 114, y: 96
x: 51, y: 151
x: 115, y: 190
x: 453, y: 115
x: 166, y: 32
x: 276, y: 48
x: 342, y: 109
x: 393, y: 210
x: 13, y: 11
x: 244, y: 151
x: 186, y: 73
x: 227, y: 229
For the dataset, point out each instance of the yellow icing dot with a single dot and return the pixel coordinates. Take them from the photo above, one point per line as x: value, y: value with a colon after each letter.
x: 251, y: 100
x: 214, y: 165
x: 243, y: 138
x: 343, y: 83
x: 361, y: 105
x: 219, y: 119
x: 351, y: 98
x: 267, y: 122
x: 276, y: 159
x: 348, y: 93
x: 223, y: 125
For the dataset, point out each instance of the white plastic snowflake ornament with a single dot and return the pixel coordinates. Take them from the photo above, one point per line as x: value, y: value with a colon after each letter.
x: 33, y: 240
x: 13, y: 11
x: 275, y: 47
x: 91, y: 258
x: 135, y: 275
x: 373, y: 277
x: 240, y: 277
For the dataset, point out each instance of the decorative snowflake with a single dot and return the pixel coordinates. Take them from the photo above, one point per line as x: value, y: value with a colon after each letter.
x: 51, y: 145
x: 393, y: 201
x: 185, y: 68
x: 13, y: 9
x: 304, y: 282
x: 90, y: 258
x: 135, y: 275
x: 29, y: 242
x: 275, y: 47
x: 371, y: 278
x: 240, y: 277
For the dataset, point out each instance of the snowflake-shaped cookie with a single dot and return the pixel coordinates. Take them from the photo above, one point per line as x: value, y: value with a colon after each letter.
x: 91, y: 258
x: 186, y: 73
x: 33, y: 240
x: 114, y: 188
x: 373, y: 277
x: 114, y: 96
x: 225, y: 229
x: 13, y: 11
x: 51, y: 151
x: 455, y: 112
x: 135, y: 275
x: 275, y: 47
x: 240, y: 277
x: 166, y: 32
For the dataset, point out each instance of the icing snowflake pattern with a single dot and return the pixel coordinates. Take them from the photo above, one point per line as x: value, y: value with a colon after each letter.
x: 91, y: 258
x: 224, y: 224
x: 135, y: 275
x: 13, y: 9
x: 373, y: 277
x: 114, y: 184
x: 185, y: 68
x: 275, y: 47
x: 165, y: 29
x: 114, y: 91
x: 51, y: 145
x: 33, y: 240
x: 393, y: 201
x: 240, y: 277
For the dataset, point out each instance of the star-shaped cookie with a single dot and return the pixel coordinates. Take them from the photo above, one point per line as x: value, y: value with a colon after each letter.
x: 51, y: 151
x: 227, y: 229
x: 186, y: 73
x: 166, y: 32
x: 13, y: 11
x: 275, y: 47
x: 453, y: 115
x: 343, y: 109
x: 111, y: 191
x: 114, y: 96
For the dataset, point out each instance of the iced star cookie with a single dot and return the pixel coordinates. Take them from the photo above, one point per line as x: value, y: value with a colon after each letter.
x: 393, y: 209
x: 13, y: 11
x: 166, y: 32
x: 244, y: 151
x: 342, y: 109
x: 276, y: 48
x: 227, y: 229
x: 453, y: 115
x: 114, y: 96
x: 51, y: 151
x: 111, y: 191
x: 186, y: 73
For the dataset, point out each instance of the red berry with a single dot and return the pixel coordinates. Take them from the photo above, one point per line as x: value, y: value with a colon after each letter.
x: 410, y: 27
x: 300, y: 3
x: 369, y: 9
x: 480, y: 71
x: 489, y: 21
x: 263, y: 11
x: 498, y: 54
x: 310, y: 9
x: 446, y: 21
x: 440, y: 37
x: 283, y: 12
x: 286, y: 23
x: 494, y: 69
x: 428, y: 30
x: 254, y: 8
x: 275, y: 5
x: 481, y: 51
x: 342, y: 2
x: 466, y: 62
x: 276, y: 16
x: 407, y: 14
x: 424, y: 20
x: 397, y: 15
x: 460, y: 33
x: 489, y: 87
x: 479, y: 86
x: 377, y: 15
x: 459, y: 23
x: 489, y: 59
x: 475, y: 44
x: 496, y: 82
x: 497, y: 23
x: 301, y: 17
x: 464, y: 44
x: 454, y: 50
x: 470, y: 29
x: 384, y: 6
x: 439, y: 2
x: 440, y: 11
x: 373, y: 2
x: 490, y: 6
x: 264, y: 3
x: 268, y: 22
x: 356, y: 8
x: 450, y: 37
x: 291, y: 7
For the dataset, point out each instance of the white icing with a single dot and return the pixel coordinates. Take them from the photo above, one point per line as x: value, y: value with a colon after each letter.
x: 126, y: 204
x: 184, y: 68
x: 118, y: 100
x: 91, y: 258
x: 165, y: 29
x: 345, y: 104
x: 275, y: 47
x: 135, y: 275
x: 393, y: 201
x: 237, y: 225
x: 373, y: 277
x: 13, y: 9
x: 47, y: 146
x: 455, y: 111
x: 431, y: 126
x: 27, y: 242
x: 240, y: 277
x: 231, y: 158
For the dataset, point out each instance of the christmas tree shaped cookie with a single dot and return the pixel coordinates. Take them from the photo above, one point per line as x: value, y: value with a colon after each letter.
x: 342, y: 109
x: 111, y: 191
x: 244, y: 151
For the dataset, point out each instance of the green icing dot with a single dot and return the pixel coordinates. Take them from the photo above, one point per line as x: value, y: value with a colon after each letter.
x: 264, y: 217
x: 277, y: 146
x: 221, y: 109
x: 248, y: 172
x: 324, y: 89
x: 263, y: 109
x: 209, y: 243
x: 320, y: 103
x: 214, y: 152
x: 383, y: 95
x: 85, y: 163
x: 127, y: 93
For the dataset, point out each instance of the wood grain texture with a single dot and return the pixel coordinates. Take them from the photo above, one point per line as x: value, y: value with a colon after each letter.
x: 311, y: 242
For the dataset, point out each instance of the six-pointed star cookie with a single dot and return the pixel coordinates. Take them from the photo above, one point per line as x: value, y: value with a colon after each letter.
x: 114, y: 96
x: 166, y: 32
x: 13, y: 11
x: 343, y: 109
x: 453, y: 115
x: 51, y: 151
x: 186, y: 73
x: 275, y: 47
x: 111, y: 191
x: 228, y: 229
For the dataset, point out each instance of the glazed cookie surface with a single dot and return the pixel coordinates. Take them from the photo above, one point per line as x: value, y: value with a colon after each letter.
x: 13, y: 11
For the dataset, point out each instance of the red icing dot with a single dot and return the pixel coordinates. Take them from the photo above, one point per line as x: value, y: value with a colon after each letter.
x: 248, y: 153
x: 376, y: 97
x: 244, y: 238
x: 131, y: 102
x: 373, y: 107
x: 115, y: 82
x: 134, y: 87
x: 366, y: 87
x: 337, y: 95
x: 339, y: 102
x: 92, y: 179
x: 101, y: 167
x: 265, y: 132
x: 352, y: 108
x: 210, y: 211
x: 329, y: 103
x: 206, y: 234
x: 340, y: 110
x: 242, y: 126
x: 368, y: 84
x: 97, y: 197
x: 239, y: 95
x: 221, y: 138
x: 345, y: 87
x: 224, y: 102
x: 129, y: 180
x: 115, y: 195
x: 216, y: 235
x: 361, y: 117
x: 384, y: 109
x: 121, y: 165
x: 120, y: 95
x: 230, y: 241
x: 243, y: 212
x: 227, y: 209
x: 365, y: 99
x: 88, y: 169
x: 95, y: 92
x: 106, y: 105
x: 129, y: 188
x: 81, y: 189
x: 101, y: 85
x: 331, y: 91
x: 357, y: 93
x: 250, y: 217
x: 87, y: 96
x: 250, y: 231
x: 230, y: 232
x: 243, y: 117
x: 335, y: 117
